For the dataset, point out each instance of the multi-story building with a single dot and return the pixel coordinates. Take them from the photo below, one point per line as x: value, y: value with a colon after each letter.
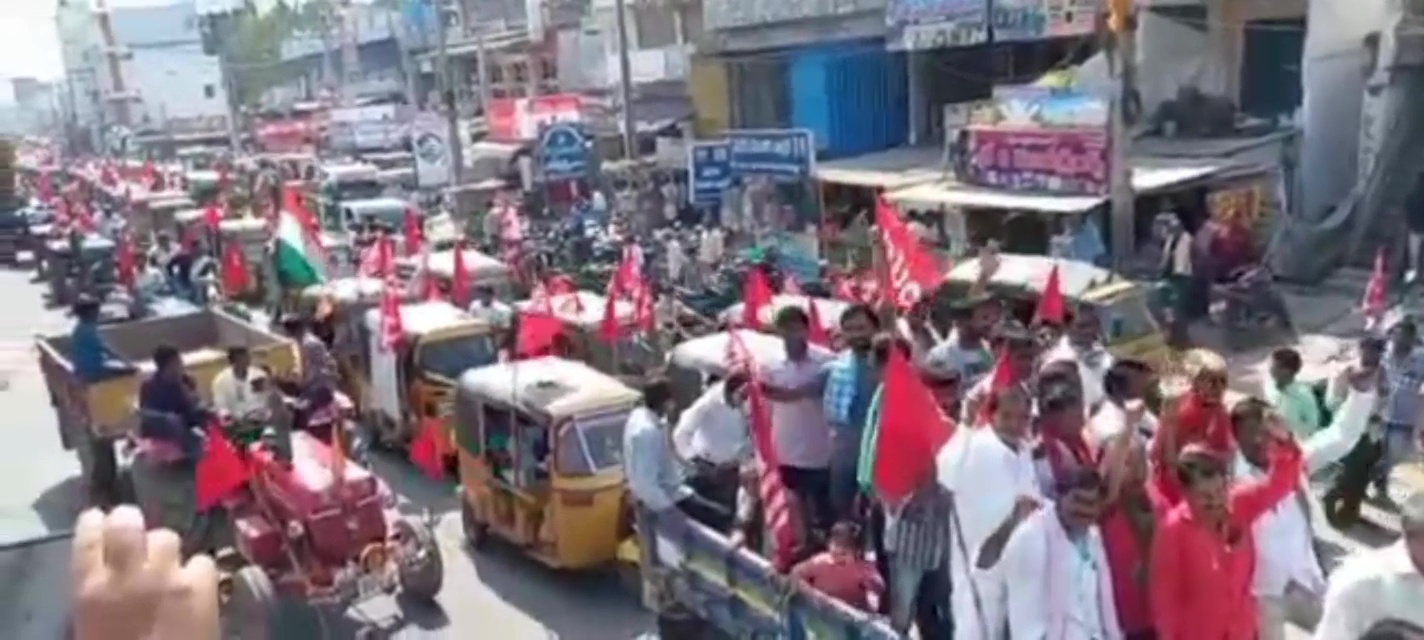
x: 158, y: 76
x: 80, y: 96
x: 315, y: 64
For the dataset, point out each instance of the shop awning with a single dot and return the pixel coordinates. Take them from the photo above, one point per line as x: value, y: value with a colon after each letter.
x: 1153, y: 176
x: 890, y: 169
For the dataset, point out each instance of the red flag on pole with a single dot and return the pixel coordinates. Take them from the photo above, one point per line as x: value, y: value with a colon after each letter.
x: 1052, y: 308
x: 126, y: 263
x: 1002, y: 377
x: 777, y: 503
x: 609, y: 329
x: 220, y: 471
x: 212, y: 216
x: 755, y: 296
x: 537, y: 334
x: 909, y: 272
x: 460, y: 280
x: 392, y: 328
x: 911, y: 430
x: 414, y: 232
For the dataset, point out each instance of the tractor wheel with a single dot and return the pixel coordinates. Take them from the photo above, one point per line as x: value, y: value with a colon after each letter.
x: 475, y: 531
x: 251, y: 604
x: 422, y: 572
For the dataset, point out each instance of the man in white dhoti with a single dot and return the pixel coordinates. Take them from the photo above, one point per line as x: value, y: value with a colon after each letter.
x: 990, y: 473
x: 1055, y: 568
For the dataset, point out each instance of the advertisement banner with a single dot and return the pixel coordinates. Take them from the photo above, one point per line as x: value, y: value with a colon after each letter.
x: 919, y: 25
x: 1032, y: 107
x: 709, y: 171
x: 1024, y: 20
x: 563, y: 152
x: 430, y: 145
x: 779, y: 154
x: 1057, y: 161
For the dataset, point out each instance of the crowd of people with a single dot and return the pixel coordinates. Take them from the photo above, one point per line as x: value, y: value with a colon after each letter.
x: 1075, y: 499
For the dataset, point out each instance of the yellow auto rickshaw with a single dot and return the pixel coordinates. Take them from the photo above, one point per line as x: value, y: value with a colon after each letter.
x: 1123, y: 307
x: 540, y: 456
x: 404, y: 387
x: 581, y: 313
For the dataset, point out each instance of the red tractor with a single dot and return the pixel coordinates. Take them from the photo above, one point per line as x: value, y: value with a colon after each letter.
x: 302, y: 532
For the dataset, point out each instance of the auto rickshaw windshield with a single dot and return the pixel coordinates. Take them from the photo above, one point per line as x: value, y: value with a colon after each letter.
x: 1125, y: 319
x: 448, y: 358
x: 356, y: 190
x: 590, y: 444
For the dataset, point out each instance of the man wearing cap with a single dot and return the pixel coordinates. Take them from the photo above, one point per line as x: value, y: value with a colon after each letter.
x: 1380, y: 585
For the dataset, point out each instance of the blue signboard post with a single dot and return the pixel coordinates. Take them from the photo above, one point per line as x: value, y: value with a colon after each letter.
x: 709, y: 171
x: 563, y: 152
x: 779, y: 154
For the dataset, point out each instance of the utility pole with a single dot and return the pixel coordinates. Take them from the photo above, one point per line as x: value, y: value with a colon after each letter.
x: 350, y: 54
x: 625, y: 82
x: 328, y: 63
x: 1123, y: 65
x: 446, y: 77
x: 482, y: 72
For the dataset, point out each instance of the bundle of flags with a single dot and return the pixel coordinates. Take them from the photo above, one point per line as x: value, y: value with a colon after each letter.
x: 628, y: 285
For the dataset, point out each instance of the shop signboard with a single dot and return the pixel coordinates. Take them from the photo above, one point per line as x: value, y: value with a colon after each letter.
x: 778, y: 154
x: 1028, y: 20
x: 521, y: 119
x: 709, y: 171
x: 563, y: 151
x: 920, y: 25
x: 1062, y: 161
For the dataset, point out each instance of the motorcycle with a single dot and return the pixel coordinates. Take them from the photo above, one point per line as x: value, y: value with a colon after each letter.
x: 1248, y: 302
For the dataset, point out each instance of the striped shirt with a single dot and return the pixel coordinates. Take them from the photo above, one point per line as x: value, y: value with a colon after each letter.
x: 917, y: 535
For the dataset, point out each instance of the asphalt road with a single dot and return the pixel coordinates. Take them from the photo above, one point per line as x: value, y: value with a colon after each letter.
x: 495, y: 593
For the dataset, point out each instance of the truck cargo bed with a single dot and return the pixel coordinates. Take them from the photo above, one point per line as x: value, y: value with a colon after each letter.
x: 203, y: 339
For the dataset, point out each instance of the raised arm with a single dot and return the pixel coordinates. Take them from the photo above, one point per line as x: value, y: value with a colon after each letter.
x: 1252, y: 498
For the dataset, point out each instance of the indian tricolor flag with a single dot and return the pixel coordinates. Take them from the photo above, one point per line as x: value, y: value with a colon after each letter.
x: 299, y: 256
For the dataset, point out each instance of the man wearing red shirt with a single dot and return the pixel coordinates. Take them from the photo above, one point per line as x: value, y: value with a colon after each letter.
x: 1199, y: 416
x: 1127, y: 525
x: 1203, y: 554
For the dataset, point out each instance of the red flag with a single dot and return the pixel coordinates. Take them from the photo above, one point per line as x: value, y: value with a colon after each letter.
x: 775, y: 498
x: 220, y: 471
x: 460, y: 280
x: 392, y: 329
x: 414, y: 232
x: 537, y: 333
x: 842, y: 289
x: 1002, y: 377
x: 236, y: 277
x: 1052, y: 308
x: 126, y: 264
x: 213, y: 216
x: 756, y: 294
x: 909, y: 273
x: 1374, y: 302
x: 645, y: 309
x: 629, y: 272
x: 377, y: 260
x: 610, y: 329
x: 911, y: 431
x: 430, y: 285
x: 427, y: 449
x: 739, y: 358
x: 150, y: 175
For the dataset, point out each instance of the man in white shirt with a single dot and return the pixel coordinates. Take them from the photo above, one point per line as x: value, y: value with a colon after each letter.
x: 712, y: 435
x: 1380, y: 584
x: 1081, y: 344
x: 709, y: 250
x: 1055, y: 568
x: 239, y: 391
x: 486, y: 308
x: 656, y: 478
x: 1287, y: 569
x: 1124, y: 387
x: 995, y: 456
x: 800, y: 433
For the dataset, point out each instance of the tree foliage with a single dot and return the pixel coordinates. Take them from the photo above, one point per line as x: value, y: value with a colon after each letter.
x: 255, y: 39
